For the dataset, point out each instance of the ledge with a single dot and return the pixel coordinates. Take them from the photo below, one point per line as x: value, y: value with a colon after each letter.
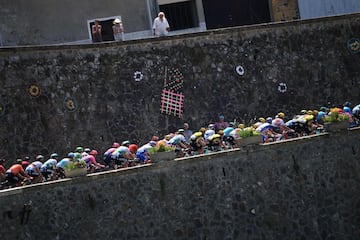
x: 146, y: 167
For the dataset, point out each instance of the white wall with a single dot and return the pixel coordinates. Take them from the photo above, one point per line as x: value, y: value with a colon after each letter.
x: 321, y: 8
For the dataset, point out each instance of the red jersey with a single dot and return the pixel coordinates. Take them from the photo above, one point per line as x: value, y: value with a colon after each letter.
x: 16, y: 169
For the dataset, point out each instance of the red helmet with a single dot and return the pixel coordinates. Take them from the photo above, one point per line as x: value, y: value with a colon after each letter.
x: 116, y: 145
x: 93, y: 152
x: 133, y: 148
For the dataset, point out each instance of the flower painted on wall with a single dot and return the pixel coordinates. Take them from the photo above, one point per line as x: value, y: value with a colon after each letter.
x: 240, y: 70
x: 70, y: 104
x: 34, y: 90
x: 138, y: 76
x: 353, y: 45
x: 282, y: 87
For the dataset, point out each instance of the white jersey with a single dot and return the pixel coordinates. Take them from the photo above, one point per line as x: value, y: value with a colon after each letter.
x: 208, y: 133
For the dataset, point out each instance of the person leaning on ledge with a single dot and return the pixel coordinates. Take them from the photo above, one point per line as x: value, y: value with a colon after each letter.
x: 161, y: 26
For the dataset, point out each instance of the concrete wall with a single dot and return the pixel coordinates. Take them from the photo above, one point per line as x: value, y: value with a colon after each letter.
x: 303, y: 189
x: 113, y: 90
x: 321, y: 8
x: 48, y: 22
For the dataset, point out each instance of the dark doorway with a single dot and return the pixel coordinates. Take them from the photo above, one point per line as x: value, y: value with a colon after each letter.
x: 106, y: 26
x: 230, y: 13
x: 181, y: 15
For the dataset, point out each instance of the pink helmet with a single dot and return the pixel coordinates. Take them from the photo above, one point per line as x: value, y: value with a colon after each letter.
x: 93, y: 152
x: 116, y: 145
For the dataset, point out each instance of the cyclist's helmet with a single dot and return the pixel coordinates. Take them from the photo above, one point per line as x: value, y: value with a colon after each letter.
x: 93, y: 152
x: 116, y: 145
x: 54, y: 155
x: 281, y: 115
x: 347, y: 110
x: 79, y: 149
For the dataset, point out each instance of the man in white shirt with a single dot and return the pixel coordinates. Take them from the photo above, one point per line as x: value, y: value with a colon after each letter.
x: 161, y: 26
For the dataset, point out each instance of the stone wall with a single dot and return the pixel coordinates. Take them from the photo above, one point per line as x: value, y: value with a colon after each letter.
x: 301, y: 189
x: 54, y: 98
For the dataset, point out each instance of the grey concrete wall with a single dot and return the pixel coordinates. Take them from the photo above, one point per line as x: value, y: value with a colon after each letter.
x: 303, y: 189
x: 116, y: 87
x: 321, y: 8
x: 47, y: 22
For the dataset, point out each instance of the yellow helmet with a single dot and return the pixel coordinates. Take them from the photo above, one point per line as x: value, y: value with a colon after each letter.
x: 262, y: 120
x: 202, y: 130
x: 241, y: 125
x: 310, y: 112
x: 281, y: 115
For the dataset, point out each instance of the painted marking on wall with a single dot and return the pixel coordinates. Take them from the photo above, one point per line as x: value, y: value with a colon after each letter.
x: 172, y: 103
x: 70, y: 104
x: 353, y: 45
x: 282, y: 87
x: 240, y: 70
x: 138, y: 76
x: 172, y: 98
x: 34, y: 90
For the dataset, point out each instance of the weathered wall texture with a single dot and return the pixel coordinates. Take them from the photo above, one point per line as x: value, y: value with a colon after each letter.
x: 303, y: 189
x: 54, y: 98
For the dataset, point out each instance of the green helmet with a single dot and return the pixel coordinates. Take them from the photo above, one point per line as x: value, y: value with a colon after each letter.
x: 79, y: 149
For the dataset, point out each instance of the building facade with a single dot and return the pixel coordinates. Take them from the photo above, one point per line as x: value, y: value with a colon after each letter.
x: 40, y: 22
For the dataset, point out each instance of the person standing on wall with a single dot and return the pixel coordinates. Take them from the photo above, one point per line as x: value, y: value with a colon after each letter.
x: 96, y: 32
x: 118, y: 30
x: 161, y: 26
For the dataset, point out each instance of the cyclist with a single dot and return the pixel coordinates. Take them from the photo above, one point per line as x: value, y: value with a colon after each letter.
x: 143, y: 152
x: 210, y: 131
x: 64, y: 163
x: 356, y: 114
x: 348, y: 112
x: 229, y: 140
x: 48, y: 168
x: 34, y: 171
x: 121, y: 155
x: 179, y: 142
x: 78, y: 154
x: 197, y: 142
x: 91, y: 163
x: 16, y: 175
x: 108, y: 155
x: 2, y: 170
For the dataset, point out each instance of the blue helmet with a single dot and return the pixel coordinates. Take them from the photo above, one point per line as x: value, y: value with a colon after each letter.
x: 347, y: 110
x: 320, y: 115
x: 71, y: 155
